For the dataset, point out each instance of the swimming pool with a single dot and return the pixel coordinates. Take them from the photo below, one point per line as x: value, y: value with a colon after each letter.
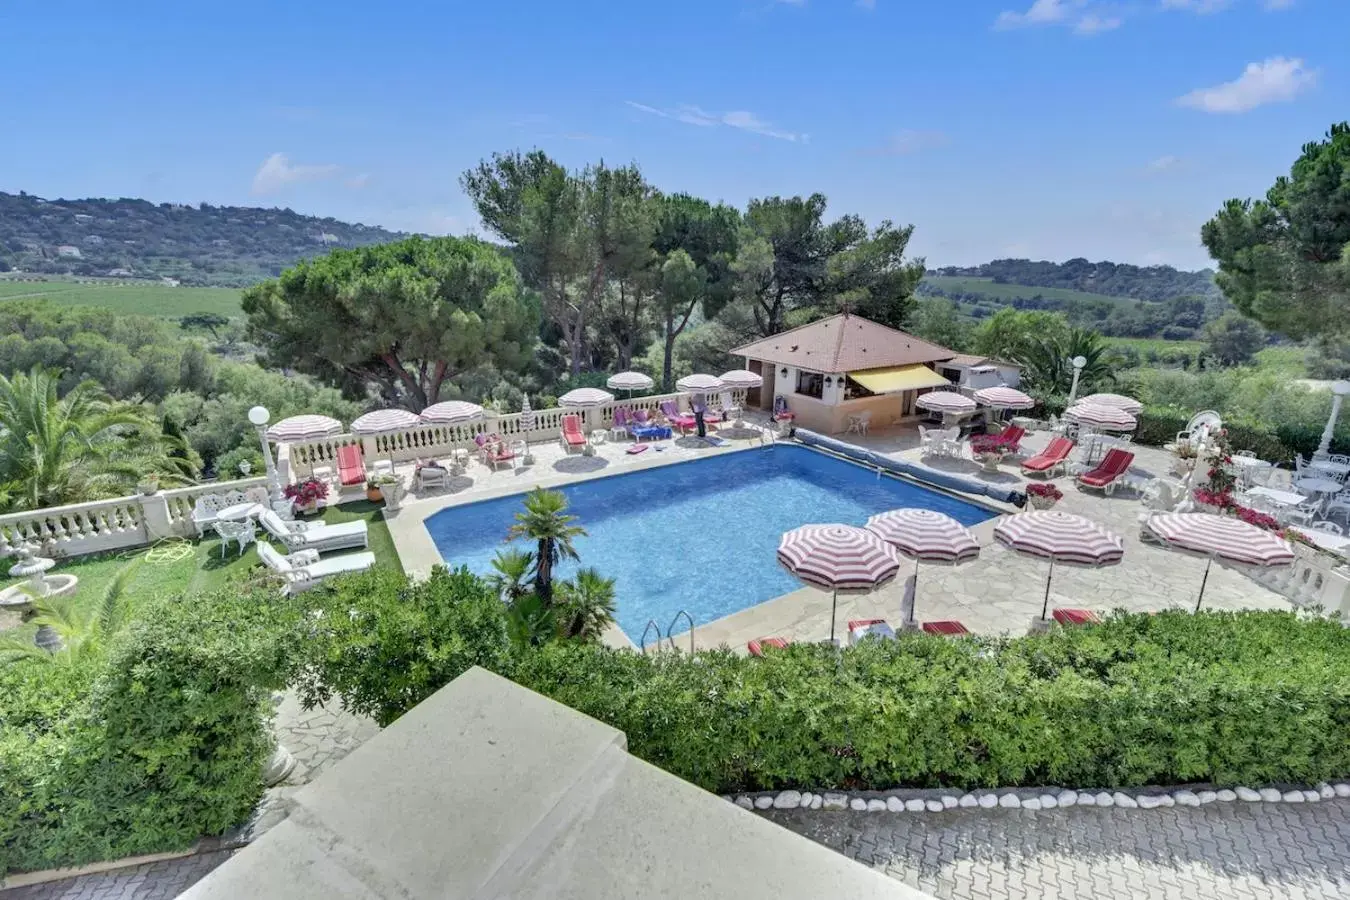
x: 660, y: 531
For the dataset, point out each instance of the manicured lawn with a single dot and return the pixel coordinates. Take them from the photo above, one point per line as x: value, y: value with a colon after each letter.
x: 145, y: 300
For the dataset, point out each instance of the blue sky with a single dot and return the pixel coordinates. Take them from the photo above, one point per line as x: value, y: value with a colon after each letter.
x: 1041, y: 128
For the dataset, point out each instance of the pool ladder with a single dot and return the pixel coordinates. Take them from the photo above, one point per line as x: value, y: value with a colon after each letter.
x: 670, y: 631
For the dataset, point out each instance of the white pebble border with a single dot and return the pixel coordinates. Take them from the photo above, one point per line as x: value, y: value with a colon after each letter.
x: 935, y: 801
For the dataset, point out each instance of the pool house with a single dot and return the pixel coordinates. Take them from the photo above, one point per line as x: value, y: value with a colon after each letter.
x: 837, y: 369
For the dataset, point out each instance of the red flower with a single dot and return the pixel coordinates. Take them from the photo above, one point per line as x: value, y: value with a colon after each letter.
x: 311, y: 490
x: 1044, y: 489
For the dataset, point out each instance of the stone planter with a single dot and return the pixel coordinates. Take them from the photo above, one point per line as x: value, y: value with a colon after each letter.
x: 989, y: 462
x: 307, y: 509
x: 393, y: 496
x: 1040, y: 503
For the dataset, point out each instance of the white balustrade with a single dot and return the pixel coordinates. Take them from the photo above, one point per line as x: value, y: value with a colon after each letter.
x: 77, y: 528
x: 181, y: 501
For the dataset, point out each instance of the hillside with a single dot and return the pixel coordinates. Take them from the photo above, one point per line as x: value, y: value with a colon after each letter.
x: 221, y: 246
x: 1157, y: 283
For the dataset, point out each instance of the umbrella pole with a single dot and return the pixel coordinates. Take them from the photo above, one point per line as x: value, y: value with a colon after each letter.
x: 1203, y: 581
x: 834, y: 602
x: 914, y: 606
x: 1045, y: 607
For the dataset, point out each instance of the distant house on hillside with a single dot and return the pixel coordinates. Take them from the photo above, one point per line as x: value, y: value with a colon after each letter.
x: 169, y: 282
x: 973, y: 373
x: 83, y: 217
x: 68, y: 251
x: 120, y: 273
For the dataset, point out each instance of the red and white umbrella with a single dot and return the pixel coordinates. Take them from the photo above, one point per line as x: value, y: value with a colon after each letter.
x: 1119, y: 401
x: 925, y: 535
x: 385, y: 421
x: 1004, y: 398
x: 585, y: 397
x: 838, y: 557
x: 630, y: 381
x: 1061, y: 538
x: 451, y: 412
x: 1107, y: 418
x: 741, y: 378
x: 945, y: 402
x: 304, y: 428
x: 699, y: 384
x: 1220, y: 537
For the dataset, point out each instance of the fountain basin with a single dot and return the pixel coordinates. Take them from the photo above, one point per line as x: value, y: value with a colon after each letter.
x: 21, y: 596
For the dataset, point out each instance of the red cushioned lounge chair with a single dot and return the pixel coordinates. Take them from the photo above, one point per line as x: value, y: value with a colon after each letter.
x: 756, y: 647
x: 1055, y: 456
x: 572, y: 436
x: 947, y: 628
x: 351, y: 467
x: 1066, y: 616
x: 1105, y: 476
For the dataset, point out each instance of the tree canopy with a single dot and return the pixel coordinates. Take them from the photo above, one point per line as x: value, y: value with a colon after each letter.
x: 1234, y: 339
x: 1285, y: 260
x: 404, y: 319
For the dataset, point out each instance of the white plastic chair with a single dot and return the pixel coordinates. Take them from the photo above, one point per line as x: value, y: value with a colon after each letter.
x: 1337, y: 506
x: 858, y: 424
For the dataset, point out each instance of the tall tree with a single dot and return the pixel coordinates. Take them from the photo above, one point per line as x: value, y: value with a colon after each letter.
x: 406, y: 318
x: 546, y: 521
x: 938, y: 320
x: 867, y: 273
x: 1234, y: 339
x: 1285, y: 260
x: 568, y: 231
x: 1011, y: 334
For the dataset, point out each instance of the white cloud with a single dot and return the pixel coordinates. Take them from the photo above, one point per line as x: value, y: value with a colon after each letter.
x: 1163, y: 163
x: 357, y: 182
x: 277, y: 171
x: 740, y: 119
x: 1092, y: 23
x: 904, y: 143
x: 1085, y: 17
x: 1276, y: 80
x: 1202, y: 7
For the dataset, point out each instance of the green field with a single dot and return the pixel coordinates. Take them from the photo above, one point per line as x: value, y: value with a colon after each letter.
x: 147, y: 300
x: 987, y: 287
x: 1156, y: 345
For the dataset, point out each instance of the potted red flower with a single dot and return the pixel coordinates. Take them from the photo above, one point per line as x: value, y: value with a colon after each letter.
x: 1043, y: 495
x: 988, y: 451
x: 306, y: 494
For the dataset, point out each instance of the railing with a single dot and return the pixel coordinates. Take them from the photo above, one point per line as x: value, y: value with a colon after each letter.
x: 439, y: 440
x: 115, y: 524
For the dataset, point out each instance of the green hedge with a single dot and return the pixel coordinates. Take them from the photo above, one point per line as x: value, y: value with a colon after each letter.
x: 1160, y: 426
x: 156, y: 743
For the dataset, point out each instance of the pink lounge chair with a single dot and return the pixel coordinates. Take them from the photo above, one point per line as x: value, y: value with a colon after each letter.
x: 572, y: 436
x: 1011, y: 438
x: 781, y: 413
x: 682, y: 421
x: 1108, y: 473
x: 946, y: 628
x: 1066, y: 616
x: 1055, y: 456
x: 622, y: 421
x: 756, y: 647
x: 351, y: 467
x: 492, y: 450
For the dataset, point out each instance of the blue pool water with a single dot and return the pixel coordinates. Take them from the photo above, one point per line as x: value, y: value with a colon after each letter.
x: 701, y: 535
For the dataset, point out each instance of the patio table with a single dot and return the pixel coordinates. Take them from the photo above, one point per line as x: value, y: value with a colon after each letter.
x: 1326, y: 540
x: 1275, y: 495
x: 1334, y: 469
x: 1319, y: 486
x: 240, y: 512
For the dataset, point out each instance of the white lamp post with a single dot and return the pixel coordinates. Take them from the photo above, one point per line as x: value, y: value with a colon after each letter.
x: 1338, y: 392
x: 259, y: 416
x: 1078, y: 363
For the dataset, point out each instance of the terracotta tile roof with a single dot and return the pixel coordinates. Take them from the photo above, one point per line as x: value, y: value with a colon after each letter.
x: 971, y: 361
x: 844, y: 343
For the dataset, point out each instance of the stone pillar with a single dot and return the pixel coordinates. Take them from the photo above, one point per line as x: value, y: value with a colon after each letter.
x: 283, y: 467
x: 155, y: 517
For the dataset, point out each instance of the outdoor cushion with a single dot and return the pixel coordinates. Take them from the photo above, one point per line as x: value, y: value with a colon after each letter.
x: 947, y: 628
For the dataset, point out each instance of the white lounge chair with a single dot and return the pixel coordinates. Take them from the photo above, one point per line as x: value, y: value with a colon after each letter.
x: 305, y: 569
x: 315, y: 535
x: 730, y: 408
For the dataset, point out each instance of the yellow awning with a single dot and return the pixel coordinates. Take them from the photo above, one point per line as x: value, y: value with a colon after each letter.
x: 900, y: 378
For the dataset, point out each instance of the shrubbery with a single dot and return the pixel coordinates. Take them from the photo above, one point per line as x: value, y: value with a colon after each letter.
x: 150, y: 747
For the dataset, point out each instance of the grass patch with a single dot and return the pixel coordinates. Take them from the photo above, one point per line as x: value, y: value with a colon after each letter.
x: 145, y: 300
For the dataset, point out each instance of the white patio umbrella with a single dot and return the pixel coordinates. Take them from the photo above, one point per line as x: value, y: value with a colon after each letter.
x: 451, y: 412
x: 925, y: 535
x: 1106, y: 418
x: 699, y: 384
x: 1119, y: 401
x: 1004, y: 398
x: 1220, y: 537
x: 385, y: 421
x: 582, y: 398
x: 740, y: 379
x: 945, y: 402
x: 839, y: 558
x: 303, y: 428
x: 629, y: 381
x: 1061, y: 538
x: 527, y: 418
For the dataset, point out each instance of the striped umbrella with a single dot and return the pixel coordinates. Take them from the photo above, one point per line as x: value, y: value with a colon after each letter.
x: 925, y: 535
x: 1004, y: 398
x: 1060, y: 538
x: 741, y: 378
x: 451, y: 412
x: 385, y: 421
x: 838, y: 557
x: 1107, y: 418
x: 699, y: 384
x: 303, y: 428
x: 629, y: 381
x: 945, y: 402
x: 583, y: 397
x: 1118, y: 401
x: 1220, y: 537
x: 527, y: 418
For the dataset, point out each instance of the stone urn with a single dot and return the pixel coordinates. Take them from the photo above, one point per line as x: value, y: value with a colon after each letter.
x: 393, y: 495
x: 1040, y: 501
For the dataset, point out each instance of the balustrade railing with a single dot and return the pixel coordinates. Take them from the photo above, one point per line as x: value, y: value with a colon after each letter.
x: 77, y: 528
x: 180, y: 502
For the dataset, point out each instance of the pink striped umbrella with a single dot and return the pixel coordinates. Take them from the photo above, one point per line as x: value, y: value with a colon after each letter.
x: 304, y: 428
x: 1108, y: 418
x: 385, y: 421
x: 1119, y: 401
x: 925, y: 535
x: 945, y: 402
x: 451, y: 412
x: 584, y: 397
x: 838, y: 557
x: 1061, y: 538
x: 1004, y: 398
x: 1220, y: 537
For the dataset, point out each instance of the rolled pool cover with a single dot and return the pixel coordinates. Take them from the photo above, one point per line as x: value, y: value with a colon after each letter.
x: 919, y: 473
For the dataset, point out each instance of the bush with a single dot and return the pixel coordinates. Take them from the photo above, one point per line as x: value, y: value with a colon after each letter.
x: 387, y: 642
x: 151, y: 747
x: 1158, y: 427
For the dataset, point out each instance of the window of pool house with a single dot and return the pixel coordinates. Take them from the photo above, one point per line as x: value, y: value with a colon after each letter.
x: 855, y: 391
x: 811, y: 384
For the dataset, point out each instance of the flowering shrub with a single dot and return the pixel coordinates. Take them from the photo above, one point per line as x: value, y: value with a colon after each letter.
x: 311, y: 490
x: 988, y: 445
x: 1223, y: 499
x: 1044, y: 489
x: 1257, y: 518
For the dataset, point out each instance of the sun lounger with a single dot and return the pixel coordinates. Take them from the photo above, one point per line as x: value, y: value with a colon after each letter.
x: 315, y: 535
x: 1106, y: 475
x: 493, y: 451
x: 781, y: 413
x: 861, y: 628
x: 946, y: 628
x: 756, y: 647
x: 572, y: 437
x: 351, y: 467
x: 1054, y: 456
x: 304, y: 570
x: 1066, y: 616
x: 634, y: 449
x: 682, y: 421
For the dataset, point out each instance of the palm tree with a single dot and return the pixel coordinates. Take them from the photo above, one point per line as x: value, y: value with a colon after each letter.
x: 586, y: 608
x: 1048, y: 363
x: 56, y: 450
x: 84, y: 628
x: 510, y: 569
x: 546, y: 522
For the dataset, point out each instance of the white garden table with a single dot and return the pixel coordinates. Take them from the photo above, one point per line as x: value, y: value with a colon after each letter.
x: 1334, y: 469
x: 1275, y: 495
x: 1319, y: 486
